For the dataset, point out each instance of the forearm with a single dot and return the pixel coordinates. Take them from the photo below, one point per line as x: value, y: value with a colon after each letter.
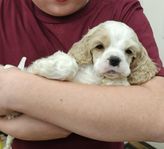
x: 51, y: 132
x: 44, y: 131
x: 28, y: 128
x: 104, y: 113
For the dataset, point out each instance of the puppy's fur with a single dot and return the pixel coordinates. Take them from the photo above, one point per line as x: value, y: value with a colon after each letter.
x: 109, y: 54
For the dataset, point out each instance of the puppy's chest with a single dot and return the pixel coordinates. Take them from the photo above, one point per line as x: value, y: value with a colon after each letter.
x: 87, y: 75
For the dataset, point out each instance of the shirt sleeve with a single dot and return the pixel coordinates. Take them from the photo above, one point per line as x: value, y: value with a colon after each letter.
x: 161, y: 72
x: 131, y: 13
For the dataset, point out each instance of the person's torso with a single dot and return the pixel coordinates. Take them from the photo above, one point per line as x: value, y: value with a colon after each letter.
x: 27, y: 31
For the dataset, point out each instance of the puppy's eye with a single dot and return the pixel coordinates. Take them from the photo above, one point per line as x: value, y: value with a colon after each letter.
x: 100, y: 47
x: 128, y: 51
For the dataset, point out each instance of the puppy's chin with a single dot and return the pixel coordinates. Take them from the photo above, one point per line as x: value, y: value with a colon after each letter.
x: 113, y: 74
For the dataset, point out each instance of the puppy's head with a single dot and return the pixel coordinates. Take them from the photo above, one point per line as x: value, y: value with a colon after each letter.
x: 115, y: 52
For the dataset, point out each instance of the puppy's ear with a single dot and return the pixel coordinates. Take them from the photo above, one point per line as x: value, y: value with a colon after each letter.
x: 142, y: 67
x: 81, y: 51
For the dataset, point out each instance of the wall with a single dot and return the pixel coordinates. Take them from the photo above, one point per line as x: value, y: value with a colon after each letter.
x: 154, y: 10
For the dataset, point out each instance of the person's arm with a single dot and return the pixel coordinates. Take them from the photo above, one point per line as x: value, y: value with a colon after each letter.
x: 100, y: 112
x: 28, y: 128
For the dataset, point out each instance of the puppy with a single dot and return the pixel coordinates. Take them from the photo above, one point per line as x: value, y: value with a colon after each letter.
x: 109, y: 54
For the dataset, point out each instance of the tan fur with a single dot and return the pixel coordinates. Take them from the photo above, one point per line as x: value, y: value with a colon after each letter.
x: 82, y: 50
x: 142, y: 68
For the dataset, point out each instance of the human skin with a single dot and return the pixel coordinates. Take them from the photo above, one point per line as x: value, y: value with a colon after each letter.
x: 105, y: 113
x: 60, y: 7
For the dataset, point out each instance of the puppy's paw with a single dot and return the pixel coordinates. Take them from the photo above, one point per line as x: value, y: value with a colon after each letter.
x: 58, y: 66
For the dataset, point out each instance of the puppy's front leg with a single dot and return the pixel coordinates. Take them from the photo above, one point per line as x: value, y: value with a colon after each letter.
x: 59, y: 66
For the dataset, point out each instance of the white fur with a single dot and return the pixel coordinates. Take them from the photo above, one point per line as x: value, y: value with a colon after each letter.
x: 121, y: 37
x: 58, y: 66
x: 54, y: 68
x: 61, y: 66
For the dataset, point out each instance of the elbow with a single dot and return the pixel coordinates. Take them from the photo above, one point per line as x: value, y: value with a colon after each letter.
x: 159, y: 134
x: 157, y: 137
x: 157, y: 131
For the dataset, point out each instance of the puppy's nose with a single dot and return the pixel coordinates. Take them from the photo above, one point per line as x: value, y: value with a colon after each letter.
x: 114, y: 60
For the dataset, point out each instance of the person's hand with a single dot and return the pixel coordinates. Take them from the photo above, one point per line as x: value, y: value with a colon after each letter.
x: 12, y: 81
x: 28, y: 128
x: 3, y: 110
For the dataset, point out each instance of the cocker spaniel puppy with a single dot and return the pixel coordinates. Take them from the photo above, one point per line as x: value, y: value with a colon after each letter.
x: 109, y: 54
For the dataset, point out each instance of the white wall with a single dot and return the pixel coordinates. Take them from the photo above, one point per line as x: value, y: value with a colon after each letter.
x: 154, y: 10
